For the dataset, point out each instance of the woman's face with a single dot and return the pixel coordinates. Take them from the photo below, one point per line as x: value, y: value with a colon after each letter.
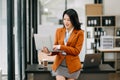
x: 67, y: 23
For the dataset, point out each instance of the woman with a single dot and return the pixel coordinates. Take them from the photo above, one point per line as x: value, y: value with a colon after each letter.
x: 69, y: 39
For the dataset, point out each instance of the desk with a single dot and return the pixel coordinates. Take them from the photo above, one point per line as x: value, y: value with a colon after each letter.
x: 109, y: 50
x: 117, y: 57
x: 102, y: 73
x: 37, y: 73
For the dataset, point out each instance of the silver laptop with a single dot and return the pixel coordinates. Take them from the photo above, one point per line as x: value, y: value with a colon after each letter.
x: 44, y: 41
x: 92, y: 61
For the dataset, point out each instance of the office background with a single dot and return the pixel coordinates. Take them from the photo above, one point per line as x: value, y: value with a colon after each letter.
x: 52, y: 13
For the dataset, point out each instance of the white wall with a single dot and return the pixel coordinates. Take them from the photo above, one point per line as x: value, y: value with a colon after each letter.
x: 3, y: 38
x: 0, y: 24
x: 0, y: 33
x: 111, y: 7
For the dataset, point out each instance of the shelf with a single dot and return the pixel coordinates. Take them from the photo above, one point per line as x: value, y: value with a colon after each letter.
x: 108, y: 21
x: 104, y: 25
x: 93, y: 21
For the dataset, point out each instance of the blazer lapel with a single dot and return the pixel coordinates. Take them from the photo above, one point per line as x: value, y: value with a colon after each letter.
x: 63, y: 34
x: 72, y: 35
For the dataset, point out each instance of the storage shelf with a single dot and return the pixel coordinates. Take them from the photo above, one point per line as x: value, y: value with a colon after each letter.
x: 110, y: 26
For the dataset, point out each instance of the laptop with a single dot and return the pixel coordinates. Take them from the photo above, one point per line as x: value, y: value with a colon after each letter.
x: 92, y: 61
x: 44, y: 41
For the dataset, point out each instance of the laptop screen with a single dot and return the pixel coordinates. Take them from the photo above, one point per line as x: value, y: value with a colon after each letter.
x: 42, y: 41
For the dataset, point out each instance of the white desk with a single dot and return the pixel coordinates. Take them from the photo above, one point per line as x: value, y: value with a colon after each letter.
x: 117, y: 57
x: 116, y: 49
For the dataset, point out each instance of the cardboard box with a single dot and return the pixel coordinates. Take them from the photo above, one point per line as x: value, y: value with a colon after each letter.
x: 94, y: 9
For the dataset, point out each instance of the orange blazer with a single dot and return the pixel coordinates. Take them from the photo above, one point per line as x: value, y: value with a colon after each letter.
x: 73, y: 48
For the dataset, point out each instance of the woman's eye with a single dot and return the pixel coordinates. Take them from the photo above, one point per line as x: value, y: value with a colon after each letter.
x: 66, y: 19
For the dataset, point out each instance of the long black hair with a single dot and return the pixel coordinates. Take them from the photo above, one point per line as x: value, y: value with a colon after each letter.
x: 73, y: 18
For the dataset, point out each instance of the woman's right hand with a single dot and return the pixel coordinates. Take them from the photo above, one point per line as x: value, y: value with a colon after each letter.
x: 45, y: 50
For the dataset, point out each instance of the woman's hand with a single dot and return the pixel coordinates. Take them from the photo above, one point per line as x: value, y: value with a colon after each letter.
x: 45, y: 50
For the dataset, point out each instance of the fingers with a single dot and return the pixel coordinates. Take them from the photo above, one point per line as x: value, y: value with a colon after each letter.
x: 45, y: 50
x: 54, y: 47
x: 50, y: 54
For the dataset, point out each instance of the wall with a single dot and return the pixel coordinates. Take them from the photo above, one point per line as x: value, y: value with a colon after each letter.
x: 111, y: 7
x: 0, y: 24
x: 3, y: 38
x: 78, y: 5
x: 0, y: 34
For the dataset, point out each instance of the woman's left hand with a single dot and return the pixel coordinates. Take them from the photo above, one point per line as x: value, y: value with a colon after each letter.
x: 45, y: 50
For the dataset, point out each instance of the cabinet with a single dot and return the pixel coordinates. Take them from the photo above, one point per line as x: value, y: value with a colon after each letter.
x: 103, y: 25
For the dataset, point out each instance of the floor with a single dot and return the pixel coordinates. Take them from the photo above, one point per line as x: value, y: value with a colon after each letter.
x: 4, y: 77
x: 114, y: 76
